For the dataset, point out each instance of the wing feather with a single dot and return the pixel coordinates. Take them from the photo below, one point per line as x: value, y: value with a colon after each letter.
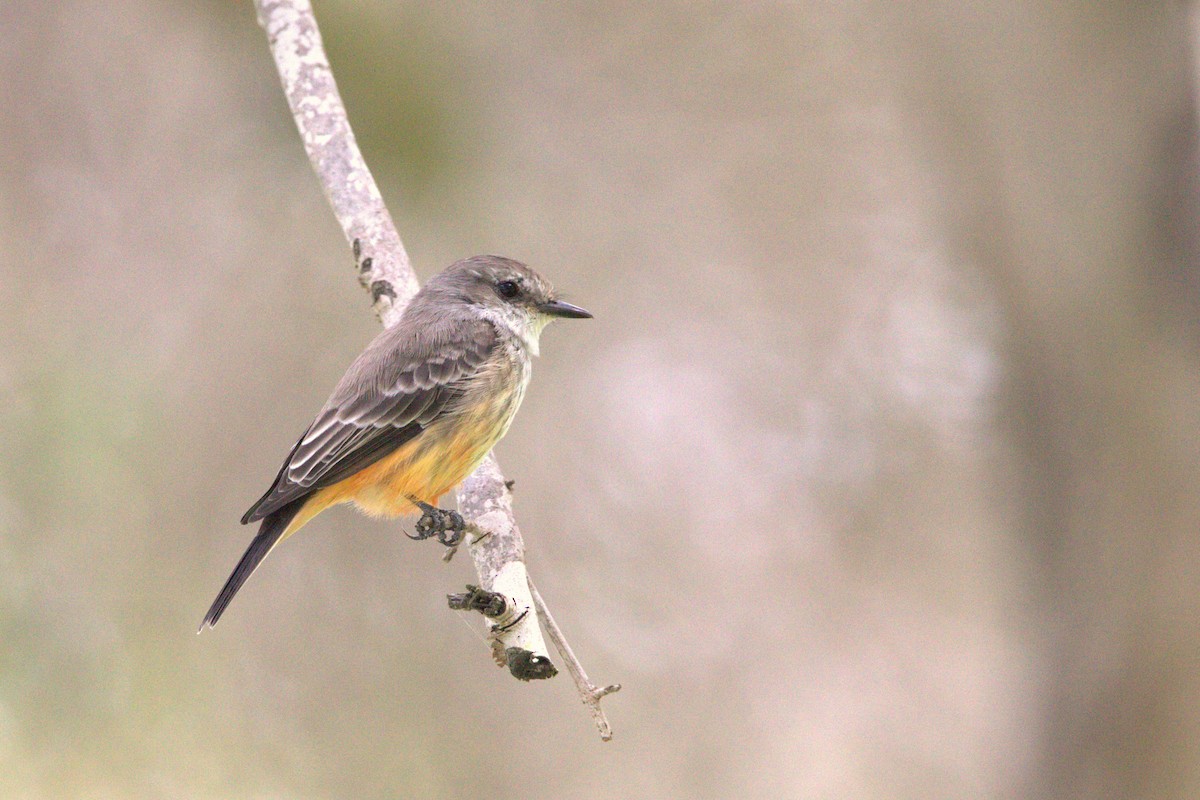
x: 405, y: 379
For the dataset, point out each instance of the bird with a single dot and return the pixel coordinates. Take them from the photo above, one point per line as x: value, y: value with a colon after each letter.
x: 416, y: 411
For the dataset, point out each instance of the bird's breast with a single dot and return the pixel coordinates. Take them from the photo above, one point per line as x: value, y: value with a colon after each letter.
x: 489, y: 403
x: 454, y: 444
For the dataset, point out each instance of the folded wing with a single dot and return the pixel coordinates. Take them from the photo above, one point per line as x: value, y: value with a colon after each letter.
x: 405, y: 379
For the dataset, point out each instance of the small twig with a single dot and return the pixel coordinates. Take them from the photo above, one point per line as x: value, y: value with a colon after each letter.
x: 589, y: 693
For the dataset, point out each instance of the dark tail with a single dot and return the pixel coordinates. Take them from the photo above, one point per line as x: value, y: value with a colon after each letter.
x: 273, y: 526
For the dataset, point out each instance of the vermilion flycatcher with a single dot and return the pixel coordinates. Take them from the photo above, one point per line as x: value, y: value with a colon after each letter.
x: 417, y: 411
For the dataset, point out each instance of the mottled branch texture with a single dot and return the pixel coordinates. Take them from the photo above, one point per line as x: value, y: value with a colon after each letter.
x: 384, y: 270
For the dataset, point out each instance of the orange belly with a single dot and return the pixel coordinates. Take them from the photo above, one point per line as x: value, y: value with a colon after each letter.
x: 423, y: 469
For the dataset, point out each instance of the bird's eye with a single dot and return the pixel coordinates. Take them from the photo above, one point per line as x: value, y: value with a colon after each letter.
x: 508, y: 289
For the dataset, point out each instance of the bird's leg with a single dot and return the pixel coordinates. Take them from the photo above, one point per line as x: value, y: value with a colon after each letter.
x: 445, y: 524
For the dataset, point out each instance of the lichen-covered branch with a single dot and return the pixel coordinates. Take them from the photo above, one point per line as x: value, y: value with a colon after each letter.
x: 499, y: 552
x: 384, y: 270
x: 321, y: 119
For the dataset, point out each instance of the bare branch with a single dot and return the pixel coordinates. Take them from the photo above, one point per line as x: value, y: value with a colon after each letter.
x: 590, y: 693
x: 384, y: 270
x: 321, y: 118
x: 500, y: 554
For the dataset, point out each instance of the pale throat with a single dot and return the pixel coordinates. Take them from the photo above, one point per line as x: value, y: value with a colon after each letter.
x: 524, y: 326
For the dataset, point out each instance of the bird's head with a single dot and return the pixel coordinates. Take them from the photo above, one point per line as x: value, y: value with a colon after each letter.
x: 506, y: 292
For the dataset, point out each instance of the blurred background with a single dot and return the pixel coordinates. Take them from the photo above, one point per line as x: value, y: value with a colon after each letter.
x: 875, y: 476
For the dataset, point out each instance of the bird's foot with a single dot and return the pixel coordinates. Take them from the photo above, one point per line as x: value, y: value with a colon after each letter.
x: 446, y: 525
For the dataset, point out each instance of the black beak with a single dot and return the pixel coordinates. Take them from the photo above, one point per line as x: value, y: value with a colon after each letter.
x: 558, y: 308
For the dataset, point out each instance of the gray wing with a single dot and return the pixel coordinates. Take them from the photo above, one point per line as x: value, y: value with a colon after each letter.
x: 403, y: 381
